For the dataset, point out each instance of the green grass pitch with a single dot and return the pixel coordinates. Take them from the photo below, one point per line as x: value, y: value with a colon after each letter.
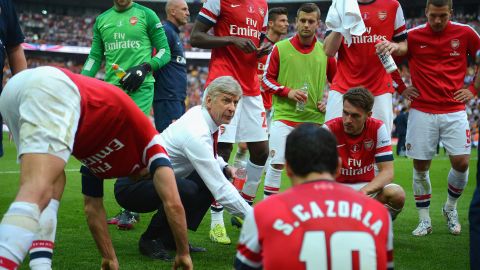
x: 75, y: 248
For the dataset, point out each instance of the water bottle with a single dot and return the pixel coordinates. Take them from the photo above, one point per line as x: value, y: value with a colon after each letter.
x: 387, y: 61
x: 119, y: 72
x: 300, y: 104
x: 240, y: 175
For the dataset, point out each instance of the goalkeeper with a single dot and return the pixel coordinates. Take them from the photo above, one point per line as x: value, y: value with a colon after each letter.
x: 126, y: 34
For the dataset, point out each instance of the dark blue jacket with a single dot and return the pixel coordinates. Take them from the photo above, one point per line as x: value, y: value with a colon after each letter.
x: 171, y: 79
x: 10, y: 32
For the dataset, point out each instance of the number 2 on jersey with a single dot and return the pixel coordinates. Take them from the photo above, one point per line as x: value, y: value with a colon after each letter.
x: 342, y: 245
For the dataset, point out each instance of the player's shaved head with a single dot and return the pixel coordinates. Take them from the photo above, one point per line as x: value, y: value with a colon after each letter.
x: 440, y: 3
x: 360, y: 97
x: 311, y: 149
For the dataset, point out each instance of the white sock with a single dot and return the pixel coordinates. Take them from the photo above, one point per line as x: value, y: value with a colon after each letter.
x: 273, y: 180
x: 456, y: 184
x: 216, y: 212
x: 254, y: 173
x: 41, y: 251
x: 17, y: 231
x: 422, y: 191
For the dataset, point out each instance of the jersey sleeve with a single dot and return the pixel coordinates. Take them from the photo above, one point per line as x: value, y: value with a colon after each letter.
x: 209, y: 12
x: 14, y: 35
x: 383, y: 152
x: 265, y: 22
x: 269, y: 80
x: 156, y: 156
x: 156, y: 32
x: 400, y: 30
x: 94, y: 59
x: 249, y: 251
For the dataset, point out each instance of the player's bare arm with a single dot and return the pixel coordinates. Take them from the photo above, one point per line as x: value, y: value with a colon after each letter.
x: 200, y: 39
x: 16, y: 58
x: 166, y: 186
x: 264, y: 49
x: 332, y: 43
x: 392, y: 48
x: 97, y: 223
x: 383, y: 178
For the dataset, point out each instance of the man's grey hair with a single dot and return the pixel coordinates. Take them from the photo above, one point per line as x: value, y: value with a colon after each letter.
x: 224, y: 84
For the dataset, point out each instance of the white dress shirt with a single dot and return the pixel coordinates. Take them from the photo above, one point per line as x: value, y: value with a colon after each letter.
x: 189, y: 144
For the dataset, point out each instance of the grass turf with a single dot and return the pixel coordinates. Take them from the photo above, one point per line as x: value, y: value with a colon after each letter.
x: 75, y: 248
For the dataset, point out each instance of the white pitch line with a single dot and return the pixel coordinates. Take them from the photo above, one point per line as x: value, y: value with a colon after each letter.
x: 17, y: 172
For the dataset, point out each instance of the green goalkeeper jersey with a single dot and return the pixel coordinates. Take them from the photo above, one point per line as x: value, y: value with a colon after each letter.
x: 127, y: 38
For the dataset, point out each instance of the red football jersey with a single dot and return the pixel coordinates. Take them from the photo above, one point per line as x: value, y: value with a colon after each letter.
x: 359, y: 64
x: 316, y: 225
x: 114, y: 137
x: 266, y: 96
x: 360, y: 153
x: 438, y: 64
x: 246, y: 19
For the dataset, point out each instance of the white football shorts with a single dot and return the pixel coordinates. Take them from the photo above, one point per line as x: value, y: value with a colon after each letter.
x: 249, y: 124
x: 426, y: 130
x: 41, y: 107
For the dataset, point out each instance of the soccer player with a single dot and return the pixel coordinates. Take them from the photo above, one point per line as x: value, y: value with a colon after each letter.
x: 359, y: 63
x: 201, y: 174
x: 86, y: 119
x: 125, y: 35
x: 437, y: 57
x: 294, y: 63
x: 317, y: 223
x: 363, y: 143
x: 171, y: 79
x: 277, y: 27
x: 236, y: 44
x: 11, y: 38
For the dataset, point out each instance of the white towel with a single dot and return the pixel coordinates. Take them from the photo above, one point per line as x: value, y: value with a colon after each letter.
x: 345, y: 18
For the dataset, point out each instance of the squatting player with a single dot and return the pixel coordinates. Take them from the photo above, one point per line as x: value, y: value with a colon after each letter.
x: 99, y: 125
x: 363, y: 142
x: 317, y: 223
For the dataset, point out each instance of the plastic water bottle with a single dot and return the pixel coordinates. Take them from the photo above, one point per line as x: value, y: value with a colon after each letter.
x: 240, y: 175
x: 119, y: 72
x: 300, y: 104
x: 387, y: 61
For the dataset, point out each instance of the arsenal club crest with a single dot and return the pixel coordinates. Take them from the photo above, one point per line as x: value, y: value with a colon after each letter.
x: 382, y: 15
x: 365, y: 16
x: 355, y: 148
x: 251, y: 9
x: 368, y: 144
x: 133, y: 20
x: 261, y: 11
x: 455, y: 43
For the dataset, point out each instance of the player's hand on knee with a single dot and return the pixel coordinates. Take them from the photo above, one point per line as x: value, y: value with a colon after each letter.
x: 135, y: 76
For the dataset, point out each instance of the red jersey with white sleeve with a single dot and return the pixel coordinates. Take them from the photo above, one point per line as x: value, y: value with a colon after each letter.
x: 114, y: 138
x: 359, y: 63
x: 360, y: 153
x: 438, y: 64
x: 246, y: 19
x: 316, y: 225
x: 266, y: 96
